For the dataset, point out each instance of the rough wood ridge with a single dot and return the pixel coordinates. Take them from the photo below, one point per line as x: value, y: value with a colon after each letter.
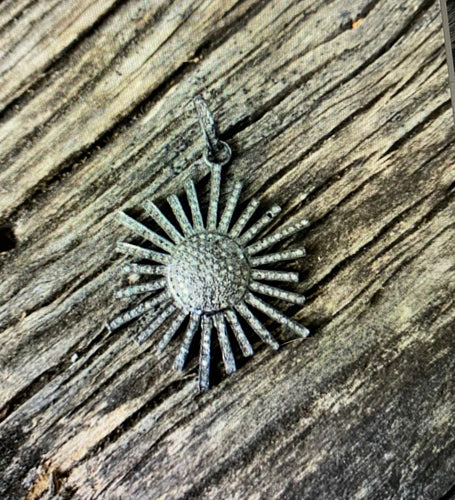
x: 338, y: 111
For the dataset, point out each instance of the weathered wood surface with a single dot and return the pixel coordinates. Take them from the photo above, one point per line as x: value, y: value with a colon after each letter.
x: 340, y: 112
x: 450, y: 5
x: 448, y: 22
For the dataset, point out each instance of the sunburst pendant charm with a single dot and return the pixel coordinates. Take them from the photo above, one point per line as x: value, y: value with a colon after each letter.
x: 210, y: 271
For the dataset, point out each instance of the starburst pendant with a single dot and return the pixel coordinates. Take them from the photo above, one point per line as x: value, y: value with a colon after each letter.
x: 209, y: 272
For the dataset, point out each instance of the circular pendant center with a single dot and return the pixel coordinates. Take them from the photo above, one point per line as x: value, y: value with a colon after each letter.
x: 207, y: 272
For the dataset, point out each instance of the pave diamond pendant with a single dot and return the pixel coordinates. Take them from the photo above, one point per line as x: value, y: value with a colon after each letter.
x: 207, y: 273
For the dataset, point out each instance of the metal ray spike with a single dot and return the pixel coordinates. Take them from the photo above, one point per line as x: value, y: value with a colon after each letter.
x: 271, y: 291
x: 226, y: 350
x: 143, y: 269
x: 230, y: 208
x: 174, y: 326
x: 145, y: 232
x: 155, y: 213
x: 257, y: 326
x: 137, y: 311
x: 215, y: 182
x: 155, y: 324
x: 276, y: 237
x: 193, y: 201
x: 276, y: 315
x: 260, y: 224
x: 204, y: 356
x: 269, y: 275
x: 144, y: 288
x: 180, y: 215
x: 141, y: 253
x: 244, y: 343
x: 185, y: 347
x: 245, y: 216
x: 277, y: 257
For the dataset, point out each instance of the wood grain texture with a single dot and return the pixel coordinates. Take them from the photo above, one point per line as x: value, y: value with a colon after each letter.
x: 450, y: 5
x: 340, y: 112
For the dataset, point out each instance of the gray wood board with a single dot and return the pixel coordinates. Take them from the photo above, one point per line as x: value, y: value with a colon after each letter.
x: 338, y: 111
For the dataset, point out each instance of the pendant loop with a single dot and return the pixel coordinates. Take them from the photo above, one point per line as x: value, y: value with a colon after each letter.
x: 217, y: 152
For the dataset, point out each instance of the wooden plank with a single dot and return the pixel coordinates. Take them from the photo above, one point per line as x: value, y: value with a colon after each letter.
x: 341, y: 114
x: 28, y: 52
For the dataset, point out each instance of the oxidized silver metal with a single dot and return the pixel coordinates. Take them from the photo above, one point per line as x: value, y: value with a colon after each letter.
x: 208, y: 272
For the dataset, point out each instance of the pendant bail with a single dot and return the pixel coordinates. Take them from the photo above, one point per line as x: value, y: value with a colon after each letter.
x: 217, y: 152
